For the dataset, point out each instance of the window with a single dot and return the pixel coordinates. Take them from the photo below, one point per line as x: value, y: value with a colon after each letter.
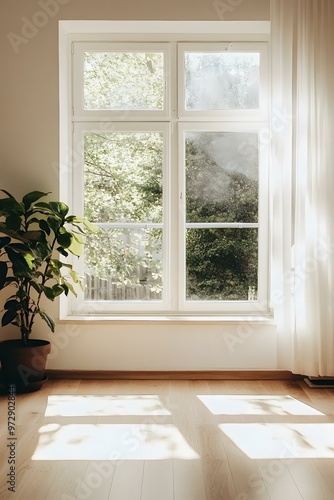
x: 168, y: 163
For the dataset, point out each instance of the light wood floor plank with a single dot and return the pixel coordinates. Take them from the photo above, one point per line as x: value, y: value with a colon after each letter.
x: 309, y: 481
x: 157, y: 480
x: 127, y: 480
x: 226, y: 405
x: 277, y: 480
x: 34, y: 481
x: 188, y: 477
x: 326, y: 468
x: 218, y: 479
x: 96, y: 481
x: 66, y: 480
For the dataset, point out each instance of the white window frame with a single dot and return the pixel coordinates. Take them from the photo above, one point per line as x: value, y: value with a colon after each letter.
x: 92, y: 33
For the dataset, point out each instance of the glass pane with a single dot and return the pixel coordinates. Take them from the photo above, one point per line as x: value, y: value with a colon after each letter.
x: 222, y: 80
x: 221, y: 264
x: 221, y: 177
x: 123, y: 184
x: 124, y: 264
x: 123, y: 80
x: 123, y: 177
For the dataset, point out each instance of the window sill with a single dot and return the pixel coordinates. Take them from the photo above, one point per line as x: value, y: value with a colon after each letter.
x: 169, y: 319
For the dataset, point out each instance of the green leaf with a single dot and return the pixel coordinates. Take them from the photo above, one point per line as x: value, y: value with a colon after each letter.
x: 75, y: 276
x: 90, y: 226
x: 49, y: 293
x: 60, y: 207
x: 58, y: 290
x: 56, y: 208
x: 12, y: 304
x: 69, y: 286
x: 80, y: 239
x: 21, y: 294
x: 65, y: 287
x: 13, y: 234
x: 36, y: 286
x: 7, y: 193
x: 13, y: 222
x: 9, y: 280
x: 8, y: 317
x: 65, y: 239
x: 29, y: 258
x: 77, y: 220
x: 53, y: 292
x: 3, y: 274
x: 44, y: 226
x: 76, y: 247
x: 56, y: 265
x: 19, y: 247
x: 49, y: 273
x: 10, y: 205
x: 4, y: 240
x: 34, y: 235
x: 62, y: 251
x: 42, y: 250
x: 32, y: 197
x: 54, y: 223
x: 64, y: 264
x: 49, y: 321
x: 19, y: 263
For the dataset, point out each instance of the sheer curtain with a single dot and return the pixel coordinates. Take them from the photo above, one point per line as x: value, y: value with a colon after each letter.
x: 303, y: 182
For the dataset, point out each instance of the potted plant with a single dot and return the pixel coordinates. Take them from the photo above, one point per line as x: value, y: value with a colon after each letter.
x: 36, y: 237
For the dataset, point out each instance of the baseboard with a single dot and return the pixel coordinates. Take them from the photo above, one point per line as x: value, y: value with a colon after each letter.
x: 174, y: 375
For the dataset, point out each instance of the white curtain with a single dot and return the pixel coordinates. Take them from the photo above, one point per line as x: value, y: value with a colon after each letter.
x: 303, y: 182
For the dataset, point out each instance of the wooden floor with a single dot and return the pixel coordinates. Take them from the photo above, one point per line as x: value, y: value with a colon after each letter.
x: 164, y: 440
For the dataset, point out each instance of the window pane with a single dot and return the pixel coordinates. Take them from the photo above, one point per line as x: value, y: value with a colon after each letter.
x: 123, y: 185
x: 124, y: 264
x: 221, y: 264
x: 123, y: 177
x: 123, y: 80
x: 221, y: 177
x: 221, y: 80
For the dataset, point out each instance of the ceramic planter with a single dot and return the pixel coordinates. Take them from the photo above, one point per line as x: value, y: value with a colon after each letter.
x: 24, y: 365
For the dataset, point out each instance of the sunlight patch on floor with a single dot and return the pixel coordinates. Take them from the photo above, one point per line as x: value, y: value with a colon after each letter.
x: 112, y: 442
x: 105, y: 405
x: 284, y: 441
x: 256, y: 405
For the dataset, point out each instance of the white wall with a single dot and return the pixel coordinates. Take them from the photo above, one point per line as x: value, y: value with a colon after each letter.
x: 30, y: 153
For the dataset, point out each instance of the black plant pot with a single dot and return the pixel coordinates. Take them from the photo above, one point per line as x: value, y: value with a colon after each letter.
x: 24, y: 365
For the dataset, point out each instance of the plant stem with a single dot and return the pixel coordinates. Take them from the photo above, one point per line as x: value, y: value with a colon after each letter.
x: 44, y: 278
